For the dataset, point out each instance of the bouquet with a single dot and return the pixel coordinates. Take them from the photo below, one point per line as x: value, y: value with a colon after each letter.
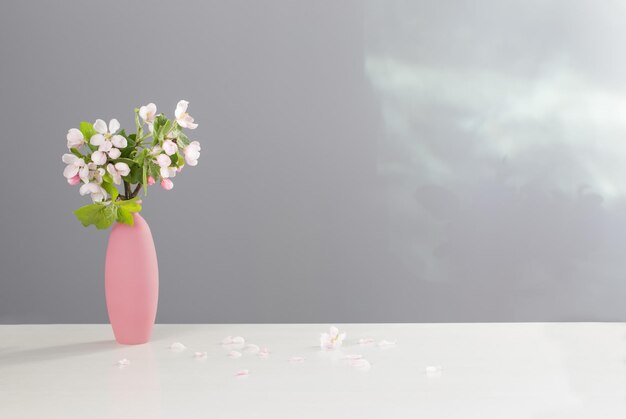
x: 113, y: 166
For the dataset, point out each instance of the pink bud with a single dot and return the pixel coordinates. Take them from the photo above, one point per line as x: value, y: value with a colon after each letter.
x: 150, y: 181
x: 167, y: 184
x: 179, y: 169
x: 74, y: 180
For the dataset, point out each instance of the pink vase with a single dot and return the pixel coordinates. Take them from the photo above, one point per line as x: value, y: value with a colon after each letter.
x: 131, y: 281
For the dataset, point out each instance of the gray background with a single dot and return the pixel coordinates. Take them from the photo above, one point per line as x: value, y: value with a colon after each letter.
x: 362, y: 161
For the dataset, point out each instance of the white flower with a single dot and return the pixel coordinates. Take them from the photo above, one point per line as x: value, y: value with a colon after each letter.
x: 107, y: 141
x: 333, y: 339
x: 90, y: 171
x: 101, y: 128
x: 99, y: 157
x: 75, y: 138
x: 117, y: 171
x: 97, y: 192
x: 192, y: 153
x: 164, y: 161
x: 148, y: 113
x: 182, y: 117
x: 74, y: 164
x: 169, y: 147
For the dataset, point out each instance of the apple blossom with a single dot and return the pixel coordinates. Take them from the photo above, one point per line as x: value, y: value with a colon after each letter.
x: 74, y: 180
x: 167, y: 184
x: 192, y: 153
x: 102, y: 133
x: 332, y: 339
x: 103, y: 156
x: 169, y: 147
x: 97, y: 192
x: 74, y: 164
x: 164, y: 162
x: 147, y: 113
x: 107, y: 141
x: 91, y: 171
x: 117, y: 171
x: 75, y: 138
x: 182, y: 117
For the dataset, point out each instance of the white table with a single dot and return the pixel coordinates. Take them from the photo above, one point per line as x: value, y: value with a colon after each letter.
x: 540, y: 370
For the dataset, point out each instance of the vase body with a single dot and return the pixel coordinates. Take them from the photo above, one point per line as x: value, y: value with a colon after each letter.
x: 131, y: 281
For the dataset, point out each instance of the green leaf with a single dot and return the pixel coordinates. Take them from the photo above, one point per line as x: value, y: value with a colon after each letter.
x: 88, y: 131
x: 109, y: 214
x: 131, y: 205
x: 124, y: 216
x: 88, y: 214
x: 144, y: 179
x: 111, y: 190
x: 154, y: 171
x: 161, y: 127
x: 100, y: 215
x: 140, y: 157
x: 182, y: 140
x: 135, y: 174
x: 77, y: 153
x: 174, y: 159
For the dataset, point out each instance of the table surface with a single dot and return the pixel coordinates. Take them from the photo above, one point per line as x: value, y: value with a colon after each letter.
x: 496, y: 370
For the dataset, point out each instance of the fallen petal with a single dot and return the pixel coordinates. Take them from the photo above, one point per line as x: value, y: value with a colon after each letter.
x: 177, y: 346
x: 366, y: 341
x: 238, y: 340
x: 123, y: 362
x: 296, y: 360
x: 200, y: 355
x: 242, y: 373
x: 252, y: 348
x: 361, y: 364
x: 228, y: 340
x: 433, y: 370
x: 352, y: 357
x: 386, y: 343
x: 264, y: 353
x: 234, y: 354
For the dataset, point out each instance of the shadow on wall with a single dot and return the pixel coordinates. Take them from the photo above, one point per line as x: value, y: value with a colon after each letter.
x: 505, y: 174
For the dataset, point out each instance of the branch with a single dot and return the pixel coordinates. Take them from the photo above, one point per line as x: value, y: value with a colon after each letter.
x: 126, y: 190
x: 136, y: 191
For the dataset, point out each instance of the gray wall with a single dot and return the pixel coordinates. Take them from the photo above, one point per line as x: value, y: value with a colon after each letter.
x: 362, y: 161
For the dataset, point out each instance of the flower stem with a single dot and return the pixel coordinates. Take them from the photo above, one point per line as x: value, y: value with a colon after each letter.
x: 126, y: 190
